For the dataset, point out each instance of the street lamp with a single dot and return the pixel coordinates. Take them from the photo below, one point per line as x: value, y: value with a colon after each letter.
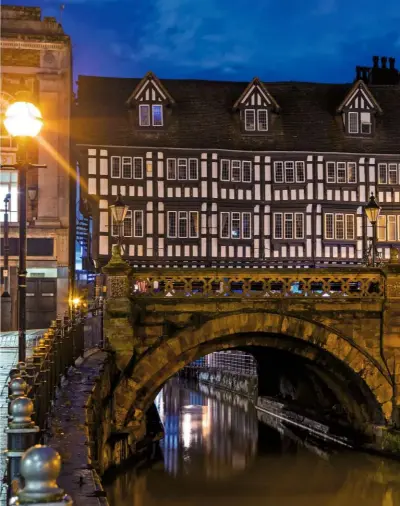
x: 372, y: 210
x: 22, y: 120
x: 118, y: 212
x: 6, y: 246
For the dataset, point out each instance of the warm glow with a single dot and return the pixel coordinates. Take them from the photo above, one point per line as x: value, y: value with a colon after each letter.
x: 23, y: 119
x: 76, y: 301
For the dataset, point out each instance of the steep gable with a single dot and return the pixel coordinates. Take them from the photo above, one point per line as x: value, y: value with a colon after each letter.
x: 360, y: 97
x: 256, y: 94
x: 150, y: 89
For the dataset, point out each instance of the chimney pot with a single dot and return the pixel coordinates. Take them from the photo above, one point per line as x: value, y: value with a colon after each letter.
x: 375, y: 60
x: 383, y: 61
x: 358, y: 73
x: 391, y: 63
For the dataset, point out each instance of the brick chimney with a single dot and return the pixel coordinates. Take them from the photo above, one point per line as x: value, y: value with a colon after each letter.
x: 383, y: 75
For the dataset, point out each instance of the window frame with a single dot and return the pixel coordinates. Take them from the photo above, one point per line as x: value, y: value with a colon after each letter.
x: 341, y: 166
x: 236, y: 219
x: 196, y: 214
x: 11, y: 186
x: 191, y: 160
x: 253, y: 111
x: 179, y: 165
x: 296, y: 215
x: 259, y: 122
x: 228, y: 162
x: 128, y: 217
x: 250, y: 167
x: 115, y: 157
x: 332, y: 217
x: 390, y: 171
x: 281, y: 168
x: 303, y: 168
x: 329, y: 177
x: 153, y: 107
x: 288, y: 169
x: 246, y: 213
x: 182, y: 215
x: 237, y: 166
x: 174, y: 215
x: 352, y: 164
x: 135, y: 159
x: 280, y: 215
x: 355, y: 115
x: 385, y: 167
x: 124, y: 160
x: 138, y: 212
x: 144, y: 107
x: 346, y: 223
x: 228, y: 233
x: 288, y: 218
x: 174, y: 169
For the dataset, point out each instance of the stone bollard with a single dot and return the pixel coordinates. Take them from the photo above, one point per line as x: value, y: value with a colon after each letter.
x: 16, y: 388
x: 21, y: 435
x: 40, y: 467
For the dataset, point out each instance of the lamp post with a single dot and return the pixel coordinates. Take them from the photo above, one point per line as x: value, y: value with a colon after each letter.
x: 23, y: 120
x: 6, y: 246
x: 372, y: 210
x: 118, y: 213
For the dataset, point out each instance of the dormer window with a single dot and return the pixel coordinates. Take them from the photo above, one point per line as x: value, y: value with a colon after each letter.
x: 359, y: 122
x: 156, y: 118
x: 256, y: 120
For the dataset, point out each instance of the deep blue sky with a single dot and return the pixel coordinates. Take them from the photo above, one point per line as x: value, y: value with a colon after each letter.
x: 304, y: 40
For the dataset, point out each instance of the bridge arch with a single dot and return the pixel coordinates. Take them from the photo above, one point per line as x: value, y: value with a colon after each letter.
x: 137, y: 390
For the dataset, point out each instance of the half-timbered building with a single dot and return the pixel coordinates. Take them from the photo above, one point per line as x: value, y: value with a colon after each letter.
x: 243, y: 174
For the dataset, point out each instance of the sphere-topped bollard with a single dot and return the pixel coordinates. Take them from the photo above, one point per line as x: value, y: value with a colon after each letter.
x: 16, y: 387
x: 40, y: 467
x: 21, y: 435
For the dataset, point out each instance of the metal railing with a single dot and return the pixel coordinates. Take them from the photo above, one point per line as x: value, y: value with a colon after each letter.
x: 233, y: 361
x: 311, y: 283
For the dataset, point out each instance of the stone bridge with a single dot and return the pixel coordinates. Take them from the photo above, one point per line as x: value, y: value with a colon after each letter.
x: 339, y: 326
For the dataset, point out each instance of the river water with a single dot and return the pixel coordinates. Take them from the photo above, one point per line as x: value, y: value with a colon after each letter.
x: 217, y: 452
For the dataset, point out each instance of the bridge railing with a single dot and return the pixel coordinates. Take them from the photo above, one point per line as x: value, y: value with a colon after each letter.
x: 259, y: 284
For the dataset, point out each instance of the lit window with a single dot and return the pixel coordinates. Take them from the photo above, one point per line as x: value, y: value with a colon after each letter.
x: 157, y: 115
x: 127, y: 167
x: 391, y: 228
x: 138, y: 168
x: 353, y: 122
x: 350, y: 226
x: 352, y: 172
x: 235, y: 171
x: 171, y: 168
x: 144, y: 115
x: 393, y: 177
x: 193, y: 169
x: 9, y: 184
x: 330, y: 172
x: 194, y: 224
x: 225, y: 170
x: 182, y: 168
x: 289, y: 172
x: 382, y: 173
x: 138, y: 223
x: 381, y: 228
x: 278, y: 166
x: 246, y: 171
x: 262, y: 117
x: 250, y: 119
x: 225, y: 230
x: 278, y: 228
x: 341, y: 172
x: 300, y: 172
x: 115, y: 166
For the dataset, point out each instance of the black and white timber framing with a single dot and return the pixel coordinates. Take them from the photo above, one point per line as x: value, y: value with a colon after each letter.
x: 240, y: 174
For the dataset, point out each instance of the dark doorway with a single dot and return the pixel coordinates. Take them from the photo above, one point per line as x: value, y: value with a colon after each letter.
x: 41, y: 302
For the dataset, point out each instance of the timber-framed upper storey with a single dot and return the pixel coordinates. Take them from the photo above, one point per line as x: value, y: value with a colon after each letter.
x: 241, y: 174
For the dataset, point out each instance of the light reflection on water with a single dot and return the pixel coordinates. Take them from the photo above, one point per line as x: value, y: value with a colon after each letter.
x: 216, y: 451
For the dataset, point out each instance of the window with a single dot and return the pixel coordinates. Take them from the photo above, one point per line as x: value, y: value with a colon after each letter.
x: 172, y: 224
x: 194, y: 224
x: 352, y: 172
x: 381, y: 228
x: 9, y: 184
x: 278, y: 228
x: 246, y: 171
x: 329, y: 232
x: 393, y: 178
x: 366, y: 123
x: 127, y: 167
x: 250, y: 119
x: 288, y: 225
x: 115, y: 166
x: 353, y: 122
x: 225, y: 170
x: 341, y: 172
x: 382, y: 173
x: 278, y: 166
x: 246, y: 225
x: 388, y: 227
x: 330, y: 172
x: 224, y: 223
x: 144, y: 115
x: 157, y: 115
x: 339, y: 226
x: 182, y: 168
x: 235, y: 171
x: 391, y: 227
x: 127, y: 225
x: 138, y: 224
x: 182, y: 224
x: 262, y: 120
x: 138, y: 168
x: 171, y: 168
x: 114, y: 227
x: 235, y: 225
x: 289, y: 172
x: 193, y: 169
x: 300, y: 172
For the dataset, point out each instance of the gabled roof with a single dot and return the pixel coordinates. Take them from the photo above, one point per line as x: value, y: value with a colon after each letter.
x: 158, y: 85
x: 203, y: 119
x: 360, y: 85
x: 256, y: 83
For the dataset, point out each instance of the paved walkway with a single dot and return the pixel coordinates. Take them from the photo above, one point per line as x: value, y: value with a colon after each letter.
x: 8, y: 359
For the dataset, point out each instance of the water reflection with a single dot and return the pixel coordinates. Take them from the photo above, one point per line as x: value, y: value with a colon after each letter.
x: 216, y: 451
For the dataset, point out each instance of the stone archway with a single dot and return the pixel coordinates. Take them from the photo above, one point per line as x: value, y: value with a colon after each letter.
x: 134, y: 393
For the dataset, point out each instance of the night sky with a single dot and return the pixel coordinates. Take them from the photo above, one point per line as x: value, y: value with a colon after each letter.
x: 276, y: 40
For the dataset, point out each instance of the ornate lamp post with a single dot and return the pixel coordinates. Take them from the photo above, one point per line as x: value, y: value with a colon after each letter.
x: 6, y: 246
x: 118, y: 213
x: 372, y: 210
x: 23, y: 120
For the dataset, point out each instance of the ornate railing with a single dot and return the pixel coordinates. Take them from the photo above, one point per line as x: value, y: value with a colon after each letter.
x: 252, y: 283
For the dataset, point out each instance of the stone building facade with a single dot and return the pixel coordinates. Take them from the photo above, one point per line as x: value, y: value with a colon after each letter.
x: 242, y: 174
x: 36, y: 55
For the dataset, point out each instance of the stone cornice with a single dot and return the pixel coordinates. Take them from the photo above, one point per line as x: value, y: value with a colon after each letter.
x: 32, y: 44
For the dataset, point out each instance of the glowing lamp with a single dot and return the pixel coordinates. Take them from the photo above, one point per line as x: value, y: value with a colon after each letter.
x: 372, y: 210
x: 76, y: 301
x: 119, y: 210
x: 23, y: 119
